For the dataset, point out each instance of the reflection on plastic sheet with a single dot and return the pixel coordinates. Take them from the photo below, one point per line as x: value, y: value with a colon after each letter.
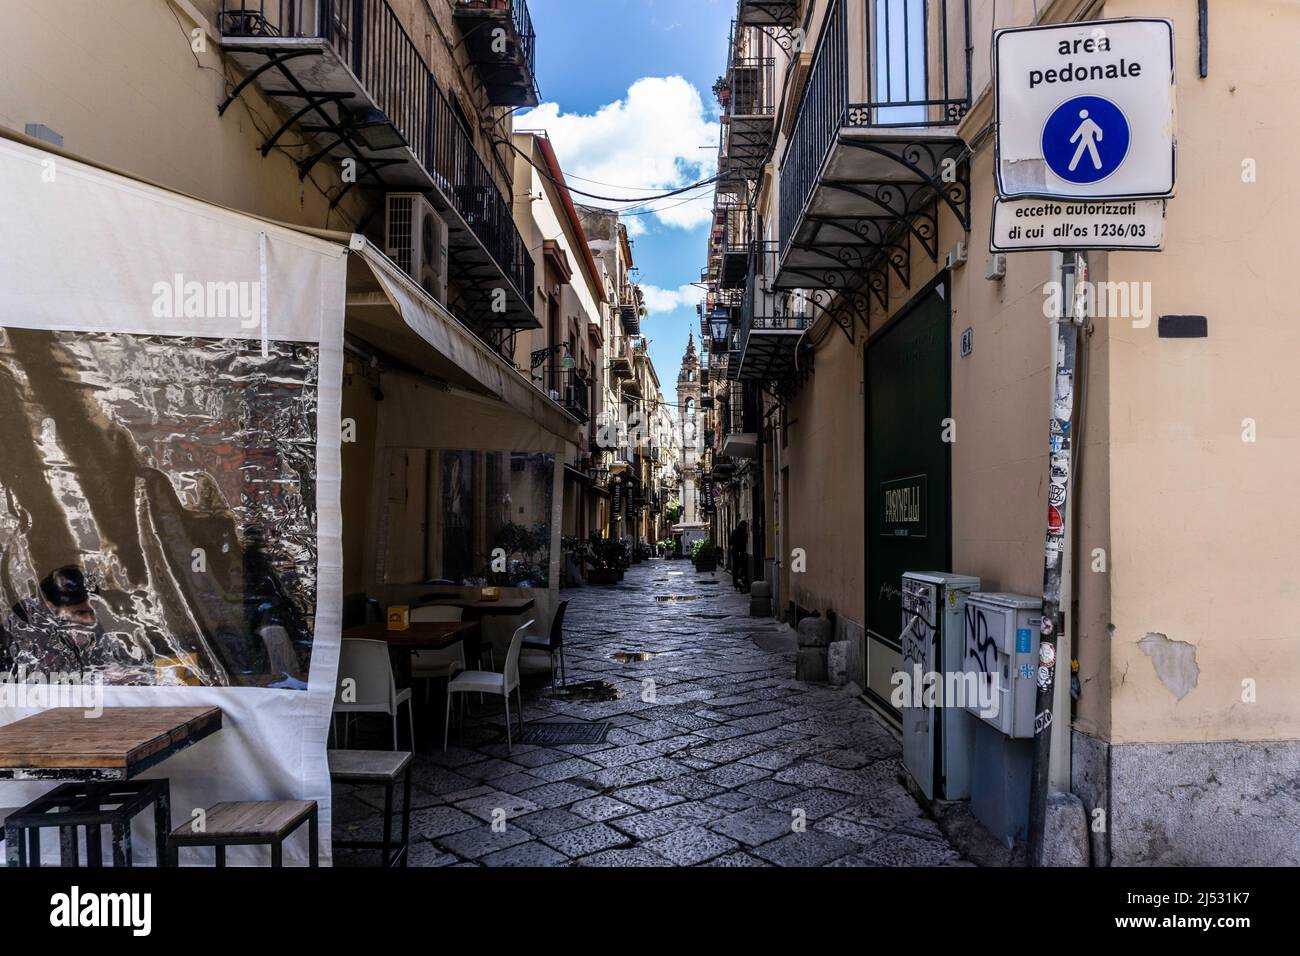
x: 157, y: 508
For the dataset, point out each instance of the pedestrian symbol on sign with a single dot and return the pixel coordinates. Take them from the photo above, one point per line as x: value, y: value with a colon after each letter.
x: 1085, y: 139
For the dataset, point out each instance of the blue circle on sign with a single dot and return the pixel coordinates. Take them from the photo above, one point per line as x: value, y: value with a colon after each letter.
x: 1085, y: 139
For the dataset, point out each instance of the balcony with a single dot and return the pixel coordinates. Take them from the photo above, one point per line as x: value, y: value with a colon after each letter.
x: 863, y: 176
x: 353, y: 85
x: 741, y: 424
x: 749, y: 123
x: 769, y: 13
x: 731, y: 238
x: 508, y: 70
x: 568, y: 390
x: 630, y: 316
x: 771, y: 322
x: 620, y: 358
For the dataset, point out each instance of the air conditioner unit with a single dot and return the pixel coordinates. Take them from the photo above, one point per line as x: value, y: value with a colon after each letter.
x: 415, y: 237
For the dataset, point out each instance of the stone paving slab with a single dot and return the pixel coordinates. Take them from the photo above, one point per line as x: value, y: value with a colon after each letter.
x: 717, y: 756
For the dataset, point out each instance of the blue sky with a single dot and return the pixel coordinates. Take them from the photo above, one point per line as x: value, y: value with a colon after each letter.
x: 615, y: 114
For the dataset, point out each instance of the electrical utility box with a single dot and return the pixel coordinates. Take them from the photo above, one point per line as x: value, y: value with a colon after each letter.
x: 938, y: 734
x: 1001, y: 653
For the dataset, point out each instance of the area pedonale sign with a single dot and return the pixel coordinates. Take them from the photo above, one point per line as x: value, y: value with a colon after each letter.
x: 1085, y: 118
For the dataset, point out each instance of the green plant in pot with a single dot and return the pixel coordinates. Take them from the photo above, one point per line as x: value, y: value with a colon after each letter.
x: 609, y: 558
x: 705, y: 555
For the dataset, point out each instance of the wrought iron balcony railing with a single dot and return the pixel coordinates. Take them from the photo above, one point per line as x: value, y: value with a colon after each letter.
x: 569, y: 390
x: 731, y: 237
x: 522, y: 21
x: 770, y: 320
x: 368, y: 36
x: 913, y: 63
x: 753, y: 87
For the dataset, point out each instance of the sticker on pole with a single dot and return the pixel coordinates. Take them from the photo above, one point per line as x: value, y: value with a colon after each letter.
x: 1086, y: 110
x: 1021, y: 225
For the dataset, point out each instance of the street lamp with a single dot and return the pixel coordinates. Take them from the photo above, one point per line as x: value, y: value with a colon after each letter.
x: 719, y: 327
x: 540, y: 356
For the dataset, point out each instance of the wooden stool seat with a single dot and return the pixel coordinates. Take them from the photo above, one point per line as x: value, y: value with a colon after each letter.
x: 378, y: 768
x: 248, y: 823
x: 367, y: 766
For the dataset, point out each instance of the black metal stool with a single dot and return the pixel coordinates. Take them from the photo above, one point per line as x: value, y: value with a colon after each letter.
x: 381, y: 767
x: 92, y: 805
x: 249, y: 823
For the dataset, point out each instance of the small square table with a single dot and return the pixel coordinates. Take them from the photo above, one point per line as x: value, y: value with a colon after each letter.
x: 99, y: 757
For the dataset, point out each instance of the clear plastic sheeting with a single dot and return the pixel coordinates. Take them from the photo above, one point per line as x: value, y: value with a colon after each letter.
x: 157, y: 509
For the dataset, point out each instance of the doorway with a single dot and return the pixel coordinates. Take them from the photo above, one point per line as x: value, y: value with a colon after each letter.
x: 908, y: 469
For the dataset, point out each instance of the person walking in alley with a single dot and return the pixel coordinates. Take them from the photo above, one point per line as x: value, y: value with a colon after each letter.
x: 739, y: 556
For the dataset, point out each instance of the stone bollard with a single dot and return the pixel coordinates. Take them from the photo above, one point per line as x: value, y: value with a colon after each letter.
x: 814, y: 639
x: 760, y: 599
x: 837, y: 663
x: 1065, y: 831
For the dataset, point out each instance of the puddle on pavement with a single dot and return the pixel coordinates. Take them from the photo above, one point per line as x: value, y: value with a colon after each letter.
x: 588, y: 692
x: 631, y: 657
x: 678, y: 597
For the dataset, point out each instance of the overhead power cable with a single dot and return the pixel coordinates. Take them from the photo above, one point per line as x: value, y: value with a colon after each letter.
x: 578, y: 192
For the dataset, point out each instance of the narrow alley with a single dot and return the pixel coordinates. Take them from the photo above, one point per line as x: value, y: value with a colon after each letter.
x: 712, y: 751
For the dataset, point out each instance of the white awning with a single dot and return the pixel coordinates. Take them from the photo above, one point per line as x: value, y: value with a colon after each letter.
x: 386, y: 308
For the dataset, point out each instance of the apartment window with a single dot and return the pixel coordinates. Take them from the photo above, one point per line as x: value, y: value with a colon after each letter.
x: 899, y: 74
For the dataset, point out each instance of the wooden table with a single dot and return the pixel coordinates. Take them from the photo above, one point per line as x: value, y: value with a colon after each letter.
x: 97, y: 758
x: 476, y: 609
x: 121, y: 743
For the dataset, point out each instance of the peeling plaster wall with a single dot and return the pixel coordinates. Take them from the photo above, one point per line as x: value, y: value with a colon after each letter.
x: 1203, y: 524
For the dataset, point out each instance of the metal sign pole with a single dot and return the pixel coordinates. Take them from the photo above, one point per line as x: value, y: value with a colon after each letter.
x: 1073, y: 276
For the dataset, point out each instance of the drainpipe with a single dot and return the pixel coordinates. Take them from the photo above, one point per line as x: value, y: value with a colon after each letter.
x: 1073, y: 275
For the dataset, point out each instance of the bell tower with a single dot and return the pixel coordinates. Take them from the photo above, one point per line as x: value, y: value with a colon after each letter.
x: 689, y: 420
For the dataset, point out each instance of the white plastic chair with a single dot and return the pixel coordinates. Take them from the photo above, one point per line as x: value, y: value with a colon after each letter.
x: 490, y: 682
x: 367, y: 665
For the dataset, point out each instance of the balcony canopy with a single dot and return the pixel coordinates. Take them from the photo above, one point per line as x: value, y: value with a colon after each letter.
x: 769, y: 13
x: 501, y: 44
x: 355, y: 87
x: 874, y: 157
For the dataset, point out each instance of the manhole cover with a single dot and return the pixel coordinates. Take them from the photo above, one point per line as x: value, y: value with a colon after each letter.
x: 631, y: 657
x: 678, y: 597
x: 588, y: 692
x: 708, y: 582
x: 544, y: 735
x: 711, y: 617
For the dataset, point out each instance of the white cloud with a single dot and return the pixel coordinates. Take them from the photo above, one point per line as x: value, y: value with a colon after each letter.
x: 658, y: 301
x: 650, y: 138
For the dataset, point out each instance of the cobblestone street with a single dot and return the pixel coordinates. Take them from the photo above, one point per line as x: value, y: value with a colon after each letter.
x: 713, y: 748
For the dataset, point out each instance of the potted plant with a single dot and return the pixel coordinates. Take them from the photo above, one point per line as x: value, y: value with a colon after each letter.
x: 705, y: 555
x: 722, y: 89
x: 608, y: 557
